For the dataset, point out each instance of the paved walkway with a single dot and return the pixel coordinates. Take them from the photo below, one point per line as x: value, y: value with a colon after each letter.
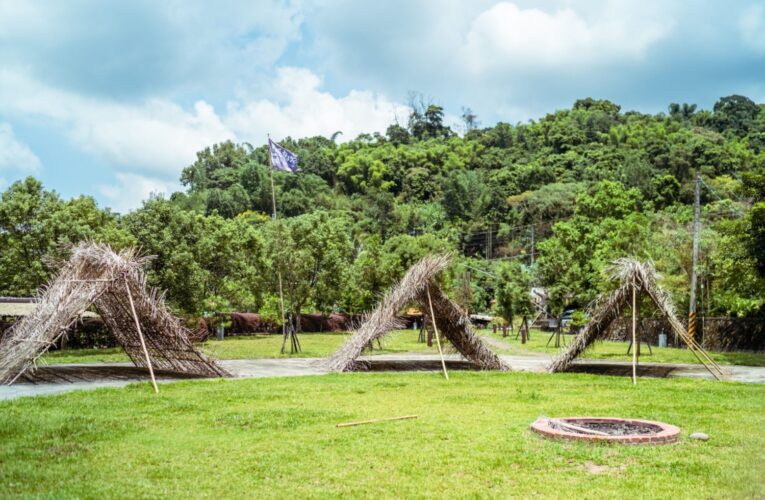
x: 95, y: 375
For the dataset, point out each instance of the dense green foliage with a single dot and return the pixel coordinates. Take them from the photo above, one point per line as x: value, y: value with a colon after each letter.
x: 589, y: 184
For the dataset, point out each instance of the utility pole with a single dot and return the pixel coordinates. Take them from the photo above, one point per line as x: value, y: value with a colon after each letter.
x: 695, y: 257
x: 532, y: 245
x: 488, y: 244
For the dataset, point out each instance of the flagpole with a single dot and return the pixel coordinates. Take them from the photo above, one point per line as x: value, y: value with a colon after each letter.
x: 279, y: 271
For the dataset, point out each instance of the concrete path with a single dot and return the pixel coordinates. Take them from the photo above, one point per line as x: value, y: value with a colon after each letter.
x: 73, y: 377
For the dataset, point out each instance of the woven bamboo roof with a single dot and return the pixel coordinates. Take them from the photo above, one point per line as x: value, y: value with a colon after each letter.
x: 115, y: 284
x: 418, y: 285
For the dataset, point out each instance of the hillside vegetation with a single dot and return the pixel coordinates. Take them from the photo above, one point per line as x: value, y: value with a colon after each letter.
x: 552, y: 201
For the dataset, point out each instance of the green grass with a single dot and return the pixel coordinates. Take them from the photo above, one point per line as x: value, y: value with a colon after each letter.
x: 105, y: 355
x: 277, y: 438
x: 403, y: 341
x: 618, y: 350
x: 259, y: 346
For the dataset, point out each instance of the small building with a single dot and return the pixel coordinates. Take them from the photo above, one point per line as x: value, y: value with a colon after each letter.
x: 14, y: 308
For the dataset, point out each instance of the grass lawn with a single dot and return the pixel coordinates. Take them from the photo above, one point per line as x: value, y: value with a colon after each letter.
x: 617, y: 351
x: 403, y: 341
x: 277, y: 438
x: 259, y: 346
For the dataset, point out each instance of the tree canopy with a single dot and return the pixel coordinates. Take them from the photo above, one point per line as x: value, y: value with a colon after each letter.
x: 549, y: 202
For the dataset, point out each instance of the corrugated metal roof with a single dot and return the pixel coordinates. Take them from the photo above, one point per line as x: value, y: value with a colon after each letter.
x: 19, y: 309
x: 18, y: 299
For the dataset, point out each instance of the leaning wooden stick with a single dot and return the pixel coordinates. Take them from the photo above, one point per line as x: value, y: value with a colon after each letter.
x: 140, y: 336
x: 435, y: 330
x: 375, y: 420
x: 634, y: 336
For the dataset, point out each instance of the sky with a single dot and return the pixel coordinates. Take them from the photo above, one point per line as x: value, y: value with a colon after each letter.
x: 114, y: 98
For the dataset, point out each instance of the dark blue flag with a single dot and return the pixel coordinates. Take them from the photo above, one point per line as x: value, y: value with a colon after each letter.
x: 282, y: 158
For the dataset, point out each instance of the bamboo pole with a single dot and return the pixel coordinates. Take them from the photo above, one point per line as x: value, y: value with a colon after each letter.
x: 634, y: 335
x: 695, y: 345
x: 140, y: 337
x: 375, y: 420
x: 693, y: 348
x: 435, y: 329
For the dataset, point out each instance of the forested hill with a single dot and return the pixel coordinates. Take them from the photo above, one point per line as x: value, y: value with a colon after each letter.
x: 551, y: 201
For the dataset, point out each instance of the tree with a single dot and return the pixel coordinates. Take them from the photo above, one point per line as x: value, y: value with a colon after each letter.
x: 513, y: 292
x: 602, y: 105
x: 465, y: 195
x: 227, y: 202
x: 216, y: 167
x: 313, y: 253
x: 470, y: 120
x: 401, y: 252
x: 666, y: 190
x: 398, y: 135
x: 294, y: 191
x: 37, y: 229
x: 735, y: 113
x: 317, y: 157
x: 549, y: 203
x: 206, y: 263
x: 426, y: 120
x: 683, y: 113
x: 366, y: 282
x: 740, y: 281
x: 363, y: 169
x: 608, y: 199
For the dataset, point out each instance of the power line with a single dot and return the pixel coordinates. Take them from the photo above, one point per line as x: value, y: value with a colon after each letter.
x: 732, y: 207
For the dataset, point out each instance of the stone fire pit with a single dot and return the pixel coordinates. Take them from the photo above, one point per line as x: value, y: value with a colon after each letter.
x: 607, y: 430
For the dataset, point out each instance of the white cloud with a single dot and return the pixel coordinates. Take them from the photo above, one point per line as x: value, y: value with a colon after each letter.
x: 144, y: 48
x: 15, y: 155
x: 160, y: 137
x: 131, y: 189
x: 301, y: 109
x: 509, y: 37
x: 150, y: 142
x: 155, y: 135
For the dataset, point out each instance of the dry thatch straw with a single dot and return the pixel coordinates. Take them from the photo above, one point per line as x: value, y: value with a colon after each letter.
x: 451, y: 320
x: 641, y: 277
x: 96, y: 275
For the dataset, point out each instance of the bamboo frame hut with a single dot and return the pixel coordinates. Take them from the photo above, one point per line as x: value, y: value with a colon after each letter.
x: 452, y: 321
x: 640, y: 278
x: 115, y: 283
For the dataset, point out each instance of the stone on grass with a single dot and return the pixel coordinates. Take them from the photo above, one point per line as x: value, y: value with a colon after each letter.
x: 700, y: 436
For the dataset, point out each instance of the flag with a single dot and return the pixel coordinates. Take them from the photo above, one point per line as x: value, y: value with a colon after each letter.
x: 282, y: 158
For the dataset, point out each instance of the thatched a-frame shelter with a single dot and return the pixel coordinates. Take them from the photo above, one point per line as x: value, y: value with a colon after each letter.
x: 452, y: 322
x: 116, y: 284
x: 641, y: 278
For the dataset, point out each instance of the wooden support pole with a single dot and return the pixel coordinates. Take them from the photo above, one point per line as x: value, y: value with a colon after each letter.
x: 281, y: 306
x: 639, y: 334
x: 634, y: 335
x: 375, y: 420
x: 435, y: 330
x: 140, y: 337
